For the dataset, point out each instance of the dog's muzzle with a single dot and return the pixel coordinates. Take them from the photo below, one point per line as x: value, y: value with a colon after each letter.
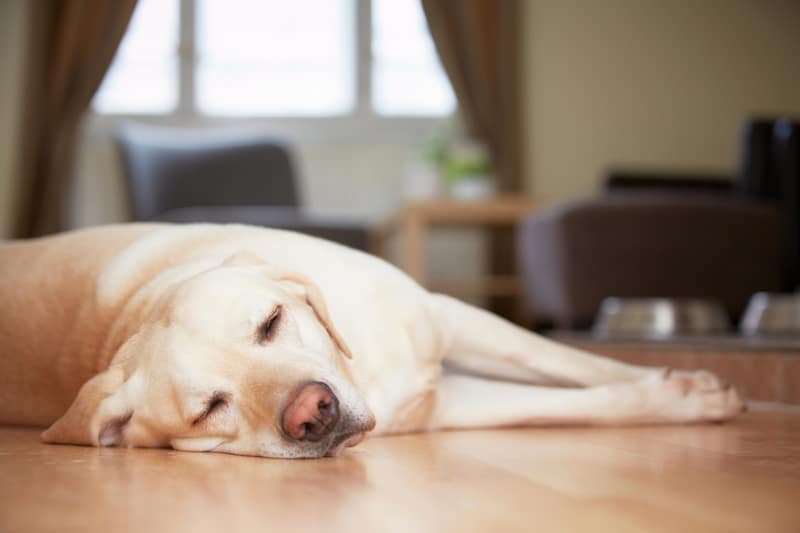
x: 314, y: 417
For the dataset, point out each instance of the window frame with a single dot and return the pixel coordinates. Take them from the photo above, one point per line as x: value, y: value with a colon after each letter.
x: 361, y: 124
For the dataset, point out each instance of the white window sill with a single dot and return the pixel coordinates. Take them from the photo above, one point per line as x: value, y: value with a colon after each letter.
x: 356, y: 128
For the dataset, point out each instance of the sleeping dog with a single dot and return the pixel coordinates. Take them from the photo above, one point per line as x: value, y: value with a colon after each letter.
x: 266, y: 342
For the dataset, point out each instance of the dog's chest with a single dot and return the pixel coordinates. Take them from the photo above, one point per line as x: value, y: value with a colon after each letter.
x: 397, y: 367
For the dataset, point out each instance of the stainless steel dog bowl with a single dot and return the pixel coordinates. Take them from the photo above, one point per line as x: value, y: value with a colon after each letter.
x: 659, y: 318
x: 772, y: 314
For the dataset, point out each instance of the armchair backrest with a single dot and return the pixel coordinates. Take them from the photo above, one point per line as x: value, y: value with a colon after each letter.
x: 169, y: 168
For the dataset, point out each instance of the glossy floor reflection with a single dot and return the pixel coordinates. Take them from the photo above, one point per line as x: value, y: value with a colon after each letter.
x: 742, y: 476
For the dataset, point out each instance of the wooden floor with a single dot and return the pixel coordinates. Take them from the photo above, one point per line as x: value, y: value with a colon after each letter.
x: 742, y: 476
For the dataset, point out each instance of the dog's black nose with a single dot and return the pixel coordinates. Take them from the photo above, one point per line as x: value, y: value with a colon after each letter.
x: 312, y: 414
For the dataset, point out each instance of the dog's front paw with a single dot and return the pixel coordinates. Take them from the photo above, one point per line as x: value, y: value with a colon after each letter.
x: 691, y: 396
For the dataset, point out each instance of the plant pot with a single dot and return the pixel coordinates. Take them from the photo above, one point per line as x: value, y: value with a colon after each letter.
x: 472, y: 188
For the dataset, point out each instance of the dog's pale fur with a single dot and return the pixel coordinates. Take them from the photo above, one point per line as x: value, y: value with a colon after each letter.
x: 146, y: 335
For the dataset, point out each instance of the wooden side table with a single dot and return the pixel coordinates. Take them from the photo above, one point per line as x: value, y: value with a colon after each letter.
x: 415, y: 220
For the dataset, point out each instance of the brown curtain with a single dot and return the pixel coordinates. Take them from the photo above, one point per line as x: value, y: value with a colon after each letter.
x: 71, y: 45
x: 479, y: 45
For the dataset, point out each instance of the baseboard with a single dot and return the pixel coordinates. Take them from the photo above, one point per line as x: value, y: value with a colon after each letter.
x: 761, y: 375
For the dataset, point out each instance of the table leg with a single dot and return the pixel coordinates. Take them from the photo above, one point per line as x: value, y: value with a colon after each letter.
x: 414, y: 230
x: 378, y: 240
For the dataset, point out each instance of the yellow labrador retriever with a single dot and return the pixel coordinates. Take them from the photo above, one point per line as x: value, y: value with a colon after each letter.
x: 266, y: 342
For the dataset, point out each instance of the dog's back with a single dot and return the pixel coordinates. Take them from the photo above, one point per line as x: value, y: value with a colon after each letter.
x: 49, y: 321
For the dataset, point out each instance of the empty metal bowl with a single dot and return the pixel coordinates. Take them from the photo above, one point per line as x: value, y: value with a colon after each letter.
x: 660, y: 318
x: 772, y: 314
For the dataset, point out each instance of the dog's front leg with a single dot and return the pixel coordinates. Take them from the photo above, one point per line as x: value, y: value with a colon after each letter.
x: 487, y: 345
x: 472, y: 402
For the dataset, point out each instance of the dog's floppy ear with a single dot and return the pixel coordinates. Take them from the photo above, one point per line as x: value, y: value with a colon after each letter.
x: 97, y: 416
x: 314, y: 298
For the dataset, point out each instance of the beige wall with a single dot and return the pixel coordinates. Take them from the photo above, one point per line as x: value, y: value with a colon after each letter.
x: 650, y: 84
x: 13, y: 20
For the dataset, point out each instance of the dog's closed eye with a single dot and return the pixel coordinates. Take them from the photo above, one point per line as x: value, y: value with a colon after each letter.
x: 267, y: 330
x: 217, y: 402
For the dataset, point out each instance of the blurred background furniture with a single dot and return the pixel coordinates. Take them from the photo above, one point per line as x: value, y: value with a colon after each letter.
x: 653, y: 235
x: 415, y: 221
x: 176, y: 175
x: 770, y: 171
x: 651, y: 244
x: 786, y: 154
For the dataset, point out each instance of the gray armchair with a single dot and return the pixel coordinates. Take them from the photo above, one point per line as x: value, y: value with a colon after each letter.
x: 648, y: 244
x: 187, y: 175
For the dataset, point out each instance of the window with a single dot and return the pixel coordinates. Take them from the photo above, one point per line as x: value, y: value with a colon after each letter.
x: 143, y: 77
x: 244, y: 58
x: 407, y: 78
x: 273, y: 57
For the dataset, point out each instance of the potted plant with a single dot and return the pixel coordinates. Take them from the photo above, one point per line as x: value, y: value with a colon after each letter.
x: 463, y: 162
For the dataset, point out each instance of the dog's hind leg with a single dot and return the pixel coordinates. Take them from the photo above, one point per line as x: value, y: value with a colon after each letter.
x: 484, y: 344
x: 472, y: 402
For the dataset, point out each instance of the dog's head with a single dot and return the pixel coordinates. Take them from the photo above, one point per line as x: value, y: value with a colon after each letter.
x: 239, y: 358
